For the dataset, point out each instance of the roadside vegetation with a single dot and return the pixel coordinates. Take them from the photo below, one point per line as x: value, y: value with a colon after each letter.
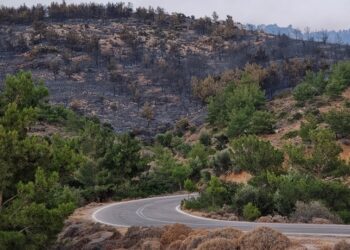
x: 302, y: 179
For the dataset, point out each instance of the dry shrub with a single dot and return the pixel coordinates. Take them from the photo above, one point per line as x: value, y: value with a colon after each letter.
x: 342, y: 245
x: 227, y: 233
x: 219, y: 244
x: 174, y: 232
x: 264, y: 238
x: 306, y: 212
x: 175, y: 245
x: 76, y: 104
x: 151, y: 244
x: 192, y: 242
x: 134, y: 235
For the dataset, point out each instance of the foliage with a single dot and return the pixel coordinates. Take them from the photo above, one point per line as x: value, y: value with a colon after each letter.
x: 305, y: 212
x: 322, y: 157
x: 22, y: 90
x: 205, y: 138
x: 254, y: 155
x: 339, y: 122
x: 313, y: 85
x: 339, y: 78
x: 36, y: 215
x: 251, y: 212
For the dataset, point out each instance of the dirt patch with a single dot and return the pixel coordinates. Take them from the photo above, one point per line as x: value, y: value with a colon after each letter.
x: 242, y: 177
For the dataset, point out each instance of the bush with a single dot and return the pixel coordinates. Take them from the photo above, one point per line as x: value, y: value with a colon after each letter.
x: 342, y: 245
x: 205, y: 138
x: 305, y: 212
x: 339, y: 78
x: 218, y: 244
x: 264, y: 238
x: 164, y: 139
x: 304, y: 92
x: 261, y: 122
x: 290, y: 134
x: 221, y: 162
x: 339, y: 122
x: 251, y: 212
x: 254, y: 155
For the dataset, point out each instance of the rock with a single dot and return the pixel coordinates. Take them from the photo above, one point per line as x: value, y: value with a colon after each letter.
x: 320, y: 221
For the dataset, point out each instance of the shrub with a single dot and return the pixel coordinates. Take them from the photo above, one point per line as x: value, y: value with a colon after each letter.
x: 251, y: 212
x: 205, y: 138
x: 218, y: 244
x: 304, y: 92
x: 173, y: 233
x: 264, y: 238
x: 164, y: 139
x: 305, y: 212
x: 290, y: 134
x: 254, y: 155
x: 261, y: 122
x: 221, y: 161
x: 342, y: 245
x: 339, y: 78
x: 339, y: 121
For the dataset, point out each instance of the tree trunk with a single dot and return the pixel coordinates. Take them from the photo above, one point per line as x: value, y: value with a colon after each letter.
x: 0, y: 199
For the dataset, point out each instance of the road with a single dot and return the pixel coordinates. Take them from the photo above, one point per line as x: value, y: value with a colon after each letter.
x: 160, y: 211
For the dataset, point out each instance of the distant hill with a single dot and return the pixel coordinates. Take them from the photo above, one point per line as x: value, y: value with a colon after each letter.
x: 341, y: 36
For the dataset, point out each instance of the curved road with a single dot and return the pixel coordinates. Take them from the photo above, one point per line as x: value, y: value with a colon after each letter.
x: 160, y: 211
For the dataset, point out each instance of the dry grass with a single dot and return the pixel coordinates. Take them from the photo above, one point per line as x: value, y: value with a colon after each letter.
x: 227, y: 233
x: 342, y: 245
x: 135, y: 235
x: 218, y: 244
x: 264, y: 238
x: 176, y: 245
x: 151, y: 245
x: 174, y: 232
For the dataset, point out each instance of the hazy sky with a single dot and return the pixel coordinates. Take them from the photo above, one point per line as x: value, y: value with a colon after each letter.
x: 317, y: 14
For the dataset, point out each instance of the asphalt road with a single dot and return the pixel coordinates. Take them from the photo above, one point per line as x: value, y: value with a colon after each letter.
x: 162, y: 211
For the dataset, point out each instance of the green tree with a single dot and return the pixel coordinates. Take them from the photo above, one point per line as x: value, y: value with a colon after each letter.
x: 215, y: 190
x: 22, y: 90
x: 325, y: 155
x: 37, y: 213
x: 189, y: 186
x: 180, y: 173
x: 254, y: 155
x: 339, y: 121
x: 339, y: 78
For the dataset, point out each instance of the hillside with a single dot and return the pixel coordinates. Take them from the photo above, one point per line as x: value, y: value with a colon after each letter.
x: 116, y: 62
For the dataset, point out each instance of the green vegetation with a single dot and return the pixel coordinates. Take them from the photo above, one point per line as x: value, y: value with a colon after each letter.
x: 293, y: 181
x: 316, y: 84
x: 254, y: 155
x: 241, y: 109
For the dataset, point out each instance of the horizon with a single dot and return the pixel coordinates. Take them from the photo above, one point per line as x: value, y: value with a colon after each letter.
x: 317, y: 16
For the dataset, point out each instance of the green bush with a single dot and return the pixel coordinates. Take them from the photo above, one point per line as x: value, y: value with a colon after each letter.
x: 221, y: 162
x: 304, y: 92
x: 205, y: 139
x: 254, y: 155
x: 312, y: 85
x: 339, y: 78
x: 262, y: 122
x: 339, y: 122
x: 251, y: 212
x: 164, y: 139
